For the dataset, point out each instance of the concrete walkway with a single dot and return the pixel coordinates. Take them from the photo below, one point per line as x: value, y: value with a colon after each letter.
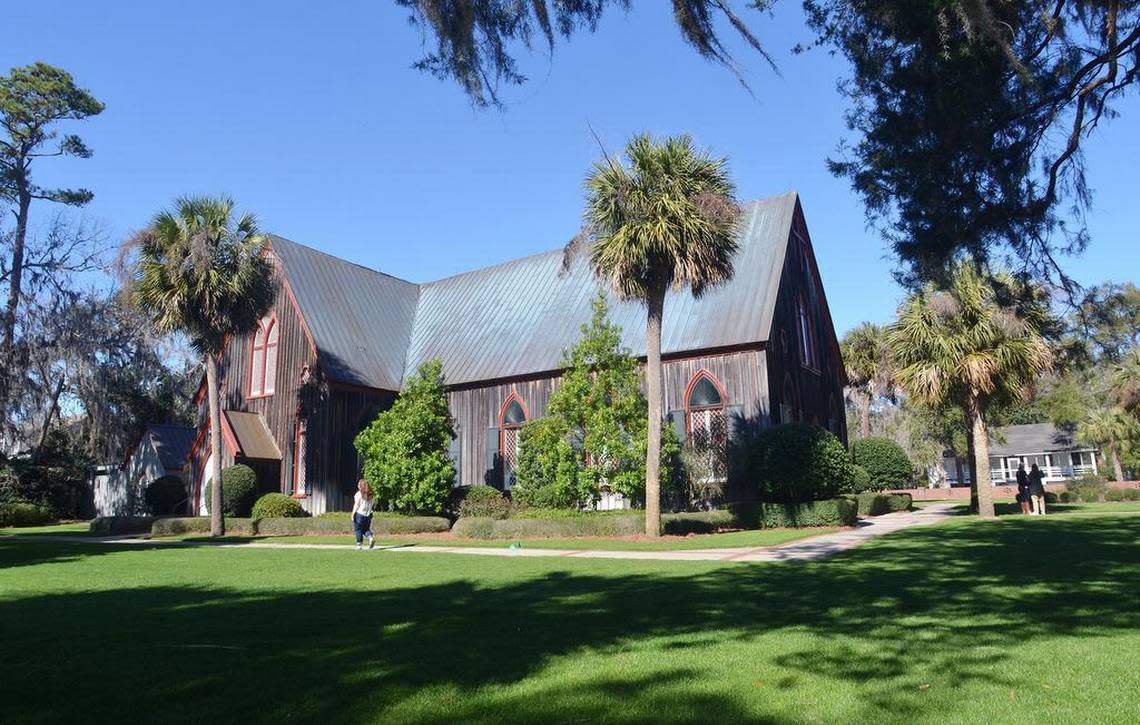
x: 816, y: 547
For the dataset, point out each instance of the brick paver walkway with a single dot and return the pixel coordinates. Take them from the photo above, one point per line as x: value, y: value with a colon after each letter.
x: 816, y: 547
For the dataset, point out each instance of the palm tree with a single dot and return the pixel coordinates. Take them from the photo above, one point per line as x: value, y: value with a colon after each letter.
x: 866, y: 359
x: 1108, y: 428
x: 666, y: 219
x: 1126, y: 382
x: 200, y: 273
x: 976, y: 342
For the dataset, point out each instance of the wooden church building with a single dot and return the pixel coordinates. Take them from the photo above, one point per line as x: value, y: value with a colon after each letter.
x: 340, y: 339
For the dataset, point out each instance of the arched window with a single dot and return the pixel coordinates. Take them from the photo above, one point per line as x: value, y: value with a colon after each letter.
x: 512, y: 417
x: 807, y: 334
x: 263, y: 358
x: 707, y: 423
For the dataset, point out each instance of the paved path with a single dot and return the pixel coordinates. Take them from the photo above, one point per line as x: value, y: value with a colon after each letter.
x: 816, y: 547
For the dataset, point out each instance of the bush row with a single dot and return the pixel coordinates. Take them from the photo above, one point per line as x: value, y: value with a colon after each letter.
x: 875, y: 504
x: 557, y: 523
x: 1094, y: 495
x: 300, y: 526
x: 23, y: 513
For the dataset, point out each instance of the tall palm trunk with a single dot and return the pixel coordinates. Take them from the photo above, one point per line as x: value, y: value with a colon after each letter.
x: 865, y: 415
x: 1117, y: 469
x: 981, y: 438
x: 217, y: 521
x: 656, y: 306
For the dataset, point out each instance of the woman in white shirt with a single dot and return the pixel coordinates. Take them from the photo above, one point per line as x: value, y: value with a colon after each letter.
x: 362, y: 514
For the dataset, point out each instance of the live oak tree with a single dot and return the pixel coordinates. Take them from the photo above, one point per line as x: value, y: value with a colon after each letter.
x: 34, y: 99
x: 666, y: 219
x: 975, y: 343
x: 201, y: 272
x: 476, y: 40
x: 969, y: 118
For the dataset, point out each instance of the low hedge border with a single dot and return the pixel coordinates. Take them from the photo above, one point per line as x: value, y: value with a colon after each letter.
x: 876, y: 504
x: 120, y: 525
x: 381, y: 525
x: 831, y: 512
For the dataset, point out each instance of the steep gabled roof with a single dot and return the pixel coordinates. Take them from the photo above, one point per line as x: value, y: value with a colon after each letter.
x: 516, y: 318
x: 172, y: 443
x: 360, y: 319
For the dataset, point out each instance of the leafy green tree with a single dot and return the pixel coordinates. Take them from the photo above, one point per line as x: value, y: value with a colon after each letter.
x: 406, y: 449
x: 1113, y: 431
x: 1109, y: 318
x: 866, y: 359
x: 969, y: 118
x: 201, y: 273
x: 668, y: 220
x: 33, y: 99
x: 885, y: 461
x: 474, y: 38
x: 594, y: 433
x: 1126, y: 382
x: 971, y: 345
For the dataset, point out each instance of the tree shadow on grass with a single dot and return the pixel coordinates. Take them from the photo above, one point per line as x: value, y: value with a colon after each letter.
x: 953, y: 598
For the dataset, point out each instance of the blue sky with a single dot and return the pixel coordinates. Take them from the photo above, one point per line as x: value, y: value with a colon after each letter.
x: 310, y: 115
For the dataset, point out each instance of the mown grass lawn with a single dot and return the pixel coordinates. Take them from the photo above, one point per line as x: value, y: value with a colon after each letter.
x: 730, y: 539
x: 1023, y: 619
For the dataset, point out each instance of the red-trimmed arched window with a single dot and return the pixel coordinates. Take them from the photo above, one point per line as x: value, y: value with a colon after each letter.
x: 512, y: 417
x: 263, y: 358
x: 706, y: 422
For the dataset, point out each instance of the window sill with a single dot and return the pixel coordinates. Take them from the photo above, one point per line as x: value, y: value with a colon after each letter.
x: 299, y: 496
x: 259, y: 396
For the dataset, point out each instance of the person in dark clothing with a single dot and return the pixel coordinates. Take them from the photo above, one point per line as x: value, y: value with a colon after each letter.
x: 1023, y: 488
x: 1037, y: 490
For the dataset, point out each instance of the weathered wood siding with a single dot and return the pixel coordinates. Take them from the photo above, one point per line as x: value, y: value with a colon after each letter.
x: 476, y: 410
x: 332, y: 465
x: 800, y: 391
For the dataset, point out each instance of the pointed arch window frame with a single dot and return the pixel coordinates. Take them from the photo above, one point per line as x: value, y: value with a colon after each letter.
x: 507, y: 429
x: 708, y: 411
x: 266, y: 341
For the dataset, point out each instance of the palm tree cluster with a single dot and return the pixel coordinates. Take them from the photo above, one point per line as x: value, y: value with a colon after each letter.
x: 975, y: 342
x: 866, y: 360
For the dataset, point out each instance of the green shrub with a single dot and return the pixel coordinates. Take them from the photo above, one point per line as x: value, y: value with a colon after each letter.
x: 885, y: 461
x: 699, y: 522
x: 239, y: 491
x: 1132, y: 494
x: 1114, y: 494
x: 1051, y: 497
x: 800, y: 462
x: 1069, y: 497
x: 23, y: 513
x: 166, y: 495
x: 873, y: 503
x: 860, y: 479
x: 555, y: 513
x: 485, y: 502
x: 183, y: 525
x: 122, y: 525
x: 277, y: 506
x: 1089, y: 488
x: 407, y: 448
x: 585, y: 524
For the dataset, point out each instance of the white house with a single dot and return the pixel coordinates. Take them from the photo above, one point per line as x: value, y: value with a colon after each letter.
x: 162, y: 450
x: 1055, y: 451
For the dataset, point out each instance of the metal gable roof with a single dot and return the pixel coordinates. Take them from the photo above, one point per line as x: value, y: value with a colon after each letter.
x: 360, y: 319
x: 516, y: 318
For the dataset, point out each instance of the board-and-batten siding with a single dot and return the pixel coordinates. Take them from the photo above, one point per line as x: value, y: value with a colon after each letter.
x: 279, y: 410
x: 476, y: 410
x: 332, y: 460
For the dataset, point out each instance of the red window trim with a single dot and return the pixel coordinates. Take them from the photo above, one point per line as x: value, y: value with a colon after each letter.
x: 266, y: 328
x: 697, y: 376
x: 503, y: 427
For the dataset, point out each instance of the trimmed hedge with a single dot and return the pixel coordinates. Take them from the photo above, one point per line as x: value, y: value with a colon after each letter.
x: 278, y: 506
x: 861, y: 479
x: 178, y: 525
x: 23, y: 513
x: 799, y: 462
x: 566, y: 527
x: 239, y: 490
x: 121, y: 525
x: 876, y: 504
x: 484, y: 502
x: 886, y: 462
x: 699, y: 522
x: 301, y: 526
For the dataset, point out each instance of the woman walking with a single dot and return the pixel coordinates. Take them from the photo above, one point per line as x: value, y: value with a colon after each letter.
x: 362, y: 514
x: 1037, y: 490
